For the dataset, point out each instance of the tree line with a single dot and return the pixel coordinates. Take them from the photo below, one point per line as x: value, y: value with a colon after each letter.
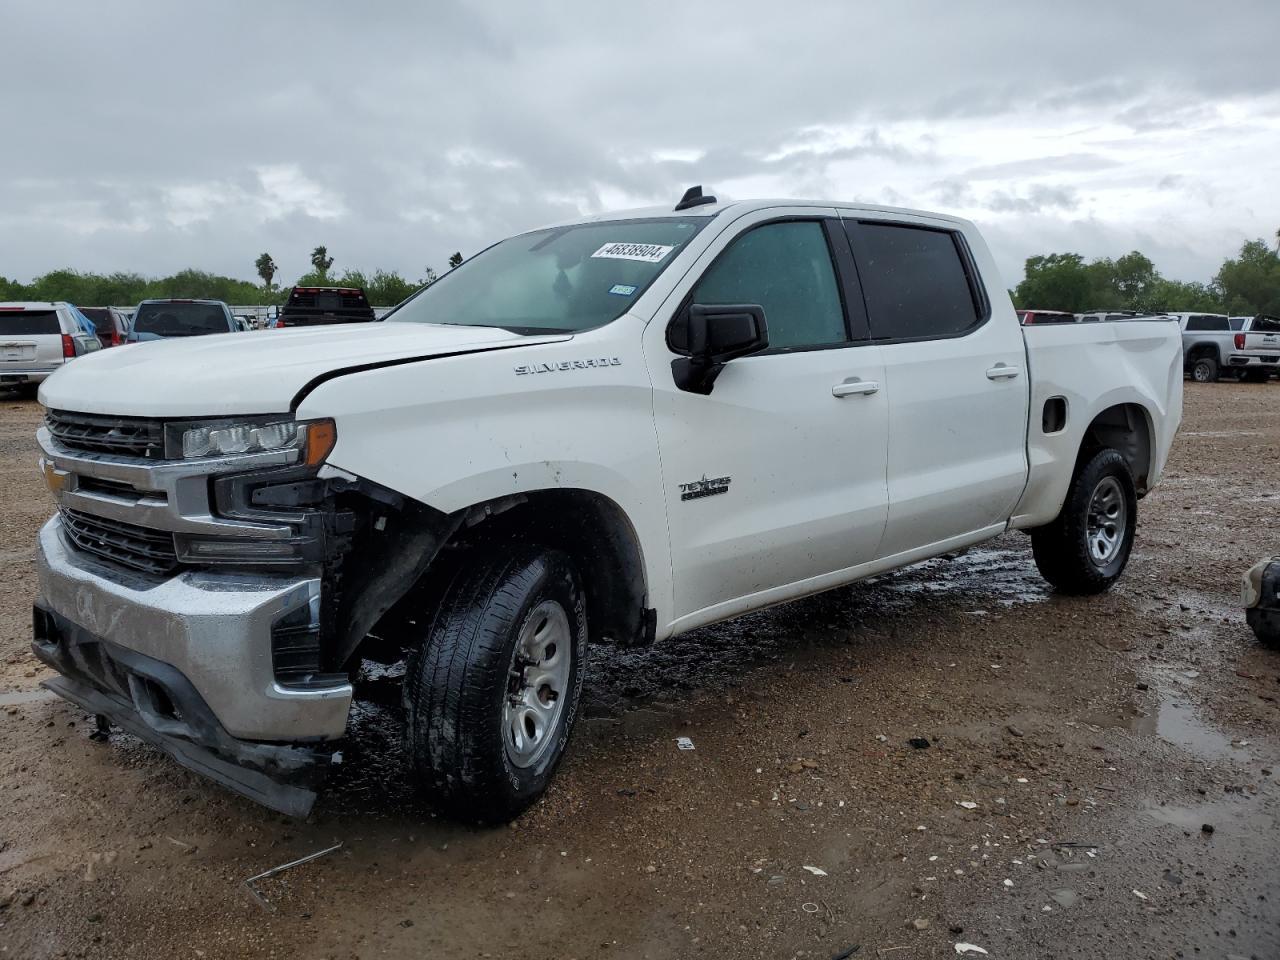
x: 1247, y: 284
x: 384, y: 288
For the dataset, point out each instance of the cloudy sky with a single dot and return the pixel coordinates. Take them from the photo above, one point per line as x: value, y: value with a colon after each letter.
x: 151, y: 137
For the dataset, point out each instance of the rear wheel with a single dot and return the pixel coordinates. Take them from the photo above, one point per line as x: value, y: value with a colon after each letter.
x: 1204, y: 370
x: 491, y: 694
x: 1087, y: 547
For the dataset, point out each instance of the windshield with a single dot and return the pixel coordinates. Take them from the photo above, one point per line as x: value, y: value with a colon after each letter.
x: 180, y: 319
x: 554, y: 281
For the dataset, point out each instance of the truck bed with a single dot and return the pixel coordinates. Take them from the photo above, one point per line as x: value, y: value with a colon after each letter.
x: 1129, y: 362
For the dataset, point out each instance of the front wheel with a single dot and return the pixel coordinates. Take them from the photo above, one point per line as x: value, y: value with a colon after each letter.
x: 1087, y: 547
x: 491, y: 694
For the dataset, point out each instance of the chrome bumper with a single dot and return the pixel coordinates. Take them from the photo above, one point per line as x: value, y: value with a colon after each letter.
x: 213, y: 628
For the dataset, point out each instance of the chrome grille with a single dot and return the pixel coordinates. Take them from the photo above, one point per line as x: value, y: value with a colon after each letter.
x: 127, y: 544
x: 126, y: 436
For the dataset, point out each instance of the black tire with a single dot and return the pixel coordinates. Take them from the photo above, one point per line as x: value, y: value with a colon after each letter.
x: 1062, y: 549
x: 458, y: 684
x: 1204, y: 370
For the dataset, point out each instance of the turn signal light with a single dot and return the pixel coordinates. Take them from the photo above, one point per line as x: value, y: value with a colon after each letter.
x: 321, y: 436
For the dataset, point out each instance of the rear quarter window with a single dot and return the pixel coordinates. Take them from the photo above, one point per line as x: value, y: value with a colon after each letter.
x: 1207, y: 322
x: 29, y: 323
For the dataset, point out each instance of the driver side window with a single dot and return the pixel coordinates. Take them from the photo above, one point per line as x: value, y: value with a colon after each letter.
x: 786, y: 268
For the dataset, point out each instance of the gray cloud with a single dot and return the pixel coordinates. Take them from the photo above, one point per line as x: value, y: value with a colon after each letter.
x: 396, y: 133
x: 1037, y: 199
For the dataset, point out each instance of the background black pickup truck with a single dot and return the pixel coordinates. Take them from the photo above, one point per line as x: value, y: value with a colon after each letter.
x: 312, y: 306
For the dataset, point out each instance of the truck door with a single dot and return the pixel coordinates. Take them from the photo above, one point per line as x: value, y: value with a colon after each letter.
x: 776, y: 477
x: 955, y: 373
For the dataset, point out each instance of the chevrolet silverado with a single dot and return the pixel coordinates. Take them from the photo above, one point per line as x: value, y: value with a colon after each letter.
x: 612, y: 430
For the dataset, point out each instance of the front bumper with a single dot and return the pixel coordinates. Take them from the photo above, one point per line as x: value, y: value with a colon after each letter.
x: 185, y: 662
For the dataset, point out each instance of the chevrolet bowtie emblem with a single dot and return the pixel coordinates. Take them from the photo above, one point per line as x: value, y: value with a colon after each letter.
x: 55, y: 479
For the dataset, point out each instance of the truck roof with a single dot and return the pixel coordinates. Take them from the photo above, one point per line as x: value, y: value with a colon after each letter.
x: 709, y: 210
x: 178, y: 300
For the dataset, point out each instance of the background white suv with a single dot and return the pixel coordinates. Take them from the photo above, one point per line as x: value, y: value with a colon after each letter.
x: 38, y: 338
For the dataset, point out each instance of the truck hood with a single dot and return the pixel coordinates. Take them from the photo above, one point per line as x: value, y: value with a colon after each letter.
x: 259, y: 372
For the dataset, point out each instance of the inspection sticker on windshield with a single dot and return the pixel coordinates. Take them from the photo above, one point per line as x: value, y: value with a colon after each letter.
x: 644, y: 252
x: 622, y: 289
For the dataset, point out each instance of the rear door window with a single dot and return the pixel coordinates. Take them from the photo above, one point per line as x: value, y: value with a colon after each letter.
x: 915, y: 280
x: 29, y: 323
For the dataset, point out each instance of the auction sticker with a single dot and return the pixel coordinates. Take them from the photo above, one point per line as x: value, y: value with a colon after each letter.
x: 644, y: 252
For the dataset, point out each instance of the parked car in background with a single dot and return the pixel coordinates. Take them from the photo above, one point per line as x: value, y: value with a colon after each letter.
x: 160, y: 319
x: 315, y: 306
x: 1256, y: 353
x: 36, y: 338
x: 109, y: 323
x: 1045, y: 316
x: 1207, y: 342
x: 561, y: 440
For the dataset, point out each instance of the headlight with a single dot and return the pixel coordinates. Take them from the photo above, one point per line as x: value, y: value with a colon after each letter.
x: 227, y: 439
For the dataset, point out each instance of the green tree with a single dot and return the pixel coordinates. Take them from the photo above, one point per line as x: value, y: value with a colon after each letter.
x: 1135, y: 278
x: 1250, y: 283
x: 388, y: 289
x: 321, y: 260
x: 266, y: 268
x: 428, y: 278
x: 455, y: 260
x: 1055, y: 281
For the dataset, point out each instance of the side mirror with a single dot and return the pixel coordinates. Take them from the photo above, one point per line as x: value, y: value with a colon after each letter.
x: 710, y: 335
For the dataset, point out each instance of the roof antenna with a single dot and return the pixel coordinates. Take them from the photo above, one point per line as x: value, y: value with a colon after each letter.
x: 693, y: 198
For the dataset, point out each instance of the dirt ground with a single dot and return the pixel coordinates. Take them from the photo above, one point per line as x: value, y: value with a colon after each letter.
x: 1076, y: 750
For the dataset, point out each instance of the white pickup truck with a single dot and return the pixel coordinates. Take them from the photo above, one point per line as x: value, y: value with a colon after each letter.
x: 1257, y: 348
x: 616, y: 429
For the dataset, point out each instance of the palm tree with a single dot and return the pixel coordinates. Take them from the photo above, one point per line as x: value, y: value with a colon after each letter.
x: 321, y: 260
x: 266, y: 269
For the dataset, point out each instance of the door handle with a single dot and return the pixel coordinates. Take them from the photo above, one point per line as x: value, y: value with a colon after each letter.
x: 1002, y: 371
x: 855, y: 386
